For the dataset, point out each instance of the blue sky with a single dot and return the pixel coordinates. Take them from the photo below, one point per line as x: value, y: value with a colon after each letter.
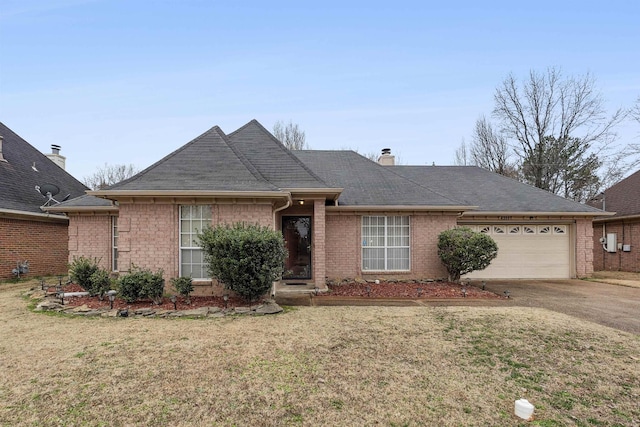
x: 130, y: 81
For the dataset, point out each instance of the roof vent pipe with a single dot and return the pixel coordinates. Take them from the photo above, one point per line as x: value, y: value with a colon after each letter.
x: 386, y: 159
x: 2, y: 159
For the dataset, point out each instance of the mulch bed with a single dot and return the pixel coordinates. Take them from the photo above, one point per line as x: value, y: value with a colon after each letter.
x: 435, y: 290
x: 408, y: 290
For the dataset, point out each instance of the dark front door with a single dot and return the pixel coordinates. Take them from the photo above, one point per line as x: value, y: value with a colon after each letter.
x: 297, y: 237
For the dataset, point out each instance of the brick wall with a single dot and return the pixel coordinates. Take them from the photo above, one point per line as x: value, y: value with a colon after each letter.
x: 43, y: 244
x: 627, y: 233
x: 584, y: 247
x: 343, y: 247
x: 90, y: 236
x: 319, y: 243
x: 261, y: 214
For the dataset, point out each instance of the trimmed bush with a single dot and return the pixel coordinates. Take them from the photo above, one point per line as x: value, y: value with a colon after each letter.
x: 246, y: 258
x: 183, y: 285
x: 141, y: 284
x: 81, y: 270
x: 462, y: 251
x: 100, y: 282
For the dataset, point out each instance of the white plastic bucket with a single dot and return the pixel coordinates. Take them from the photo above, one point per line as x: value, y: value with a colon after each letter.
x: 524, y: 409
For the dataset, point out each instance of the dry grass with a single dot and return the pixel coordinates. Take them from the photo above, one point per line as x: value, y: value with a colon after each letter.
x: 624, y: 278
x: 336, y: 366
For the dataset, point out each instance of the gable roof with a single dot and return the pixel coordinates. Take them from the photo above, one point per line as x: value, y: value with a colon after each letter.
x: 367, y: 183
x: 623, y: 198
x: 489, y: 191
x: 276, y: 163
x: 207, y: 163
x: 24, y: 169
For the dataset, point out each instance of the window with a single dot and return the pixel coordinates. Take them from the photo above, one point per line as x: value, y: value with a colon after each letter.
x: 385, y: 243
x: 192, y: 220
x: 114, y: 243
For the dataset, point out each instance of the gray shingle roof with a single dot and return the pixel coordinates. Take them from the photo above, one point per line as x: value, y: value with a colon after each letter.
x: 85, y: 201
x: 489, y: 191
x: 623, y: 198
x: 18, y: 178
x: 272, y: 159
x: 207, y: 163
x: 366, y: 183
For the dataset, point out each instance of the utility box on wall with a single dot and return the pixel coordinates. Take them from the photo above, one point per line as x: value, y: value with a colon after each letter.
x: 626, y: 248
x: 611, y: 242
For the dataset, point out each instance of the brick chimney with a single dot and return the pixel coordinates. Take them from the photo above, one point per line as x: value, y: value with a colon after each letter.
x: 56, y: 157
x: 386, y: 159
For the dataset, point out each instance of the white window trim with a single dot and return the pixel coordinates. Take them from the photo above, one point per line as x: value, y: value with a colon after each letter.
x: 181, y: 248
x: 114, y: 245
x: 385, y: 247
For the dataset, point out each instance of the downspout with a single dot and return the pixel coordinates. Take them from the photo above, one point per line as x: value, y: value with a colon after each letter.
x: 286, y: 205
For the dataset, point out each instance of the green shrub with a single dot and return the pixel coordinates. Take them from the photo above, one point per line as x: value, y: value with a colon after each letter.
x: 462, y: 251
x: 81, y: 270
x: 245, y: 258
x: 100, y: 282
x: 141, y: 284
x: 183, y: 285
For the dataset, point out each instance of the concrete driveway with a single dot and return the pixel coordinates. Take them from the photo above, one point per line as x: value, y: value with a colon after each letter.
x: 610, y: 305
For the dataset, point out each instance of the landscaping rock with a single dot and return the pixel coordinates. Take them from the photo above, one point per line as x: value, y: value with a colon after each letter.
x: 110, y: 313
x: 196, y: 312
x: 270, y: 308
x: 144, y: 311
x: 80, y: 309
x: 48, y: 305
x: 242, y: 310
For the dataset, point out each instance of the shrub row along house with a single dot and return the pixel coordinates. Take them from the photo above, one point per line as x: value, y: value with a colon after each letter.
x: 27, y: 231
x: 342, y: 215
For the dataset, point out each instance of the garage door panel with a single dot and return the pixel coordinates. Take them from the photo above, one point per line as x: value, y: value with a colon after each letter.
x: 528, y: 256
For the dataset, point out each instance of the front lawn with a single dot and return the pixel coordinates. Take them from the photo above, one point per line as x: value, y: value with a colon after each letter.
x: 334, y: 366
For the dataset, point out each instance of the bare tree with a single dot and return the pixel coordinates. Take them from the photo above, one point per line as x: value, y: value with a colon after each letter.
x: 109, y: 175
x: 290, y: 135
x: 461, y: 155
x: 547, y: 114
x: 490, y: 150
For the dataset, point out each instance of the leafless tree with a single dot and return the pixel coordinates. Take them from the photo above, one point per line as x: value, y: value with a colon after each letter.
x: 547, y: 114
x: 290, y: 135
x: 462, y: 155
x: 109, y: 175
x: 491, y: 151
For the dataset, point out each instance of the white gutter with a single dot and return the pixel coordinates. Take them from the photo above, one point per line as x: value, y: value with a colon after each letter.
x: 15, y: 213
x: 399, y: 208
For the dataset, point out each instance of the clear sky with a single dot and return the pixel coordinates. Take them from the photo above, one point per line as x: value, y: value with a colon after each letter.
x: 125, y: 81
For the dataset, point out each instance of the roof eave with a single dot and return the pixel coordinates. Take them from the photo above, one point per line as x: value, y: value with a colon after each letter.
x: 114, y: 194
x: 618, y: 218
x: 15, y: 214
x: 538, y: 213
x: 331, y: 193
x: 69, y: 209
x: 400, y: 208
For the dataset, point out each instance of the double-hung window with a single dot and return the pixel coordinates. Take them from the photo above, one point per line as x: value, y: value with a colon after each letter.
x: 193, y: 219
x: 385, y: 243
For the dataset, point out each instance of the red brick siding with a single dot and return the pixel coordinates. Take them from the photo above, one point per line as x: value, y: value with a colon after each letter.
x: 584, y: 247
x: 319, y: 243
x: 344, y: 250
x: 90, y: 236
x: 248, y: 213
x: 43, y: 244
x: 628, y: 233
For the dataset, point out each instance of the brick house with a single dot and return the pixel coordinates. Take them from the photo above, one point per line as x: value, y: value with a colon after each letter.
x: 341, y: 215
x: 27, y: 231
x: 616, y: 238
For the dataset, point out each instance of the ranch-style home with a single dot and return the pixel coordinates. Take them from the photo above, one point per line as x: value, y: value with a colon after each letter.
x: 29, y: 182
x: 341, y: 214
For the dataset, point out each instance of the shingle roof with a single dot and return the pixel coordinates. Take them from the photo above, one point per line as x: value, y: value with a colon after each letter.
x: 623, y: 198
x: 366, y: 183
x: 489, y: 191
x: 272, y: 159
x: 207, y: 163
x: 84, y: 201
x: 18, y: 177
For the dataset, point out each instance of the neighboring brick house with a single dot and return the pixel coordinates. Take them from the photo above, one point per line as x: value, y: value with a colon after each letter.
x: 616, y: 239
x: 27, y: 232
x: 341, y: 214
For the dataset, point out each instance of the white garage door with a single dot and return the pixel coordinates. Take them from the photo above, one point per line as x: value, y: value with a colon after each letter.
x: 527, y: 252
